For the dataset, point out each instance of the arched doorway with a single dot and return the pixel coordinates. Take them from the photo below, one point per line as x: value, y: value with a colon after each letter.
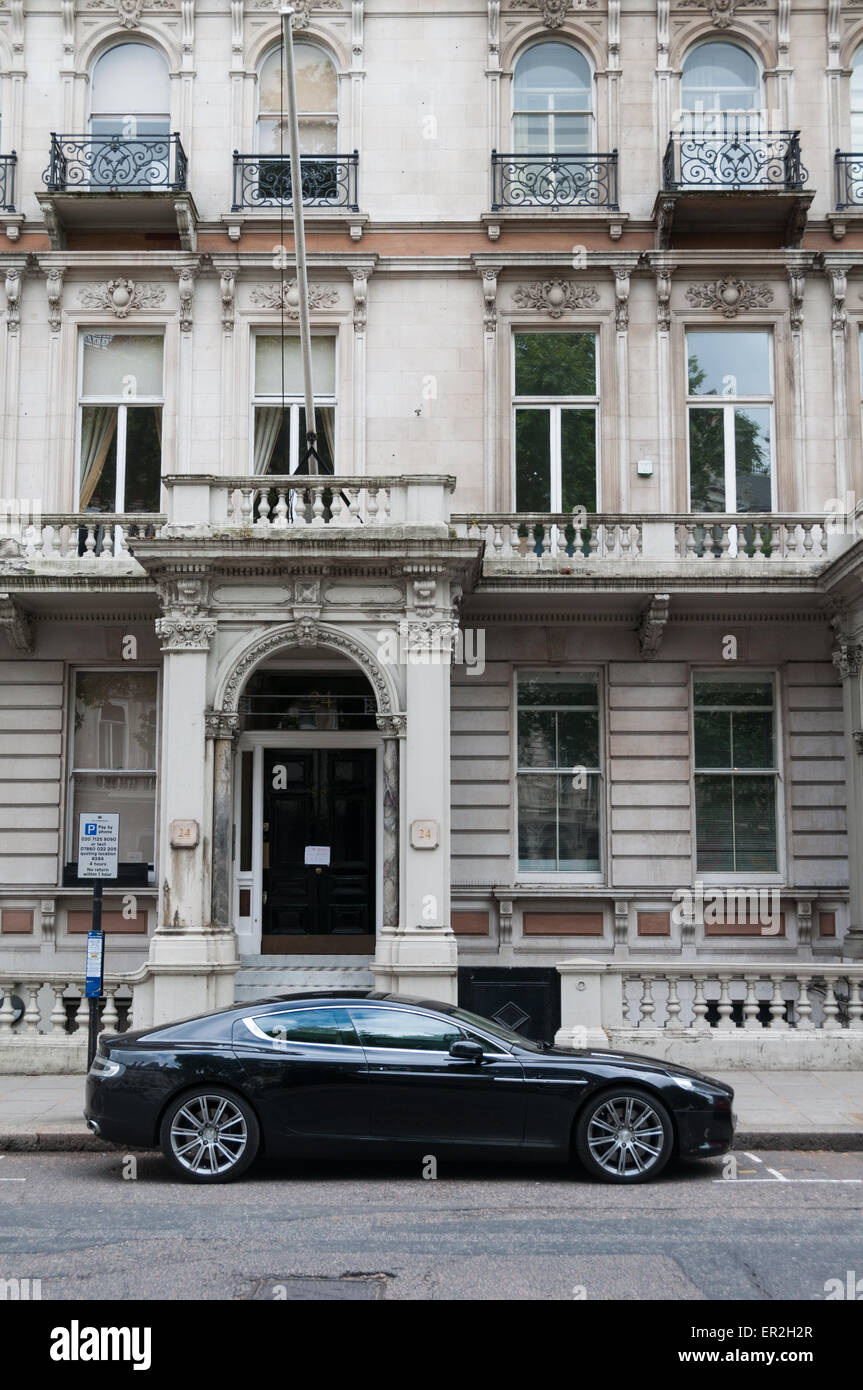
x: 311, y: 791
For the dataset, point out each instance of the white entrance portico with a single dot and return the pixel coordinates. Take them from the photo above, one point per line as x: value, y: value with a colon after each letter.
x: 304, y: 709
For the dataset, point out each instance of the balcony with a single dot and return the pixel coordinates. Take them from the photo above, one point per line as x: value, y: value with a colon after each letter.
x: 115, y: 182
x: 554, y: 181
x: 576, y: 186
x: 667, y: 545
x: 8, y: 165
x: 732, y: 184
x: 329, y: 181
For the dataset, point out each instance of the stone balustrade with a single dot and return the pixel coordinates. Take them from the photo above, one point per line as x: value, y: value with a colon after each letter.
x: 44, y: 1019
x: 98, y: 541
x: 535, y: 540
x: 785, y: 1016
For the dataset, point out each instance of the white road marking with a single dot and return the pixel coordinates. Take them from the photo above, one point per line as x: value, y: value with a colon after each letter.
x: 779, y: 1177
x: 735, y: 1182
x: 754, y: 1157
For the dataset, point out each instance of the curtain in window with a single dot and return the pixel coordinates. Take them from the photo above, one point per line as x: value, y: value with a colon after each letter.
x: 268, y: 419
x: 325, y: 418
x: 98, y: 426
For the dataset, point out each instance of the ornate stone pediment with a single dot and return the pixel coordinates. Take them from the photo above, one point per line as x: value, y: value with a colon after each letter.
x: 723, y: 12
x: 730, y: 296
x: 119, y: 297
x: 555, y: 297
x: 553, y: 13
x: 285, y: 295
x: 128, y: 12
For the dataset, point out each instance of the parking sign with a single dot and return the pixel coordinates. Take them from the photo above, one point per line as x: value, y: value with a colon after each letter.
x: 98, y: 837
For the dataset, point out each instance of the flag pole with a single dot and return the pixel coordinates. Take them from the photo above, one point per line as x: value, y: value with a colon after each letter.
x: 287, y: 11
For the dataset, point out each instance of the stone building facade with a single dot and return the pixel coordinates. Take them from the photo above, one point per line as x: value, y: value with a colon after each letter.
x: 570, y: 644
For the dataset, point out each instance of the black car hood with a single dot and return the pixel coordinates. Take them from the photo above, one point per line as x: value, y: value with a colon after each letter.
x: 627, y: 1060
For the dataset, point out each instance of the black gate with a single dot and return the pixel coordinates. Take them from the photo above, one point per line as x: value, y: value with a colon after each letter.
x: 523, y: 999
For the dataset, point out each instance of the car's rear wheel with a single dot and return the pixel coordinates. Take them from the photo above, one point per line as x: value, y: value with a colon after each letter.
x: 209, y: 1135
x: 624, y: 1136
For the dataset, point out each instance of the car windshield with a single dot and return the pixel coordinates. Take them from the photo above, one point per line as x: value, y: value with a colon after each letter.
x: 496, y: 1030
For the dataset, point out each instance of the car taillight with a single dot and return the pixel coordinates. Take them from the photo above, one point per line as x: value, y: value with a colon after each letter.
x: 102, y: 1066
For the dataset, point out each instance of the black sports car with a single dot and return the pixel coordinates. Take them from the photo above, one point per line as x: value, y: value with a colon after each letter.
x: 361, y: 1074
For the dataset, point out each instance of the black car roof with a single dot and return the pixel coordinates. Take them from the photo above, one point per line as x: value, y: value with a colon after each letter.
x: 346, y: 996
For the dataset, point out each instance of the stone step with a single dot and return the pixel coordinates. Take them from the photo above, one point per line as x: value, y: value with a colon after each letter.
x: 261, y: 977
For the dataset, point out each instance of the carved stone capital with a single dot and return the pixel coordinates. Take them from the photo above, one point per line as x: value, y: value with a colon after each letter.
x: 227, y: 290
x: 185, y: 634
x: 427, y: 635
x: 186, y: 595
x: 16, y: 624
x: 622, y: 283
x: 663, y: 298
x: 796, y: 290
x: 651, y: 628
x: 489, y: 294
x: 361, y: 291
x: 13, y: 300
x: 186, y: 284
x: 217, y: 724
x: 848, y: 658
x: 393, y: 725
x: 54, y: 288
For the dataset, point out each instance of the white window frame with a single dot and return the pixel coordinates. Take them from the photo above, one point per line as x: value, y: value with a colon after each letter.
x: 555, y: 406
x: 133, y: 115
x: 122, y: 406
x: 262, y: 116
x: 855, y: 112
x: 728, y: 404
x: 72, y: 769
x: 689, y: 115
x: 550, y: 113
x: 562, y: 876
x: 294, y: 402
x: 743, y: 877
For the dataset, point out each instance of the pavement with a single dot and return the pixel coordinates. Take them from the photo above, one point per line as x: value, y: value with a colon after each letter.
x: 787, y: 1110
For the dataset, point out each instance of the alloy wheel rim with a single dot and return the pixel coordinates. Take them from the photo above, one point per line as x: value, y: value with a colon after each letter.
x: 625, y: 1136
x: 208, y: 1135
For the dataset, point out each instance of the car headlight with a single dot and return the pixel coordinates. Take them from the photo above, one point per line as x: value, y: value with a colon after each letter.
x: 103, y: 1067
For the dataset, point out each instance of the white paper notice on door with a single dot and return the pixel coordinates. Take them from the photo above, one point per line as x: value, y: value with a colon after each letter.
x: 317, y: 854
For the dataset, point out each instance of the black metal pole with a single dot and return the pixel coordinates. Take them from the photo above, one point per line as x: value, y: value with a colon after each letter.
x: 95, y: 1001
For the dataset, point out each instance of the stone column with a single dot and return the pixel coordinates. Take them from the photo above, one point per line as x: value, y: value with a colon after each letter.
x: 192, y: 960
x: 421, y: 955
x: 222, y: 730
x: 848, y: 659
x: 393, y: 725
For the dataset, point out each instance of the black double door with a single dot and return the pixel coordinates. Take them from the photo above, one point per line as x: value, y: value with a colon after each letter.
x: 323, y: 800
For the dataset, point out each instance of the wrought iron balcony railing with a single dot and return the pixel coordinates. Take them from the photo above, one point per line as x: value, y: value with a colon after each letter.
x: 116, y: 164
x: 849, y: 181
x: 555, y: 181
x: 734, y: 158
x: 8, y: 164
x: 329, y: 181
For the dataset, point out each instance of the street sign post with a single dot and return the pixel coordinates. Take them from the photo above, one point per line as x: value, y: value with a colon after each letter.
x: 98, y: 838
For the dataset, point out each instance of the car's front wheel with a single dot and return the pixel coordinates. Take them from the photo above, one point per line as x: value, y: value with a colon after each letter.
x: 209, y: 1135
x: 624, y: 1136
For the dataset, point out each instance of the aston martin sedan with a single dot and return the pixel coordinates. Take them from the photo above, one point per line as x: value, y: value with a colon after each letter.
x: 360, y: 1074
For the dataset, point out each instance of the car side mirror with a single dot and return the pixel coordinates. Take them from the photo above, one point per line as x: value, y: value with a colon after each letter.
x: 466, y: 1050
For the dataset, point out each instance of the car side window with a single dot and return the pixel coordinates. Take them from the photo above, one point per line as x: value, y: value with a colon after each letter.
x: 304, y: 1026
x: 402, y: 1029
